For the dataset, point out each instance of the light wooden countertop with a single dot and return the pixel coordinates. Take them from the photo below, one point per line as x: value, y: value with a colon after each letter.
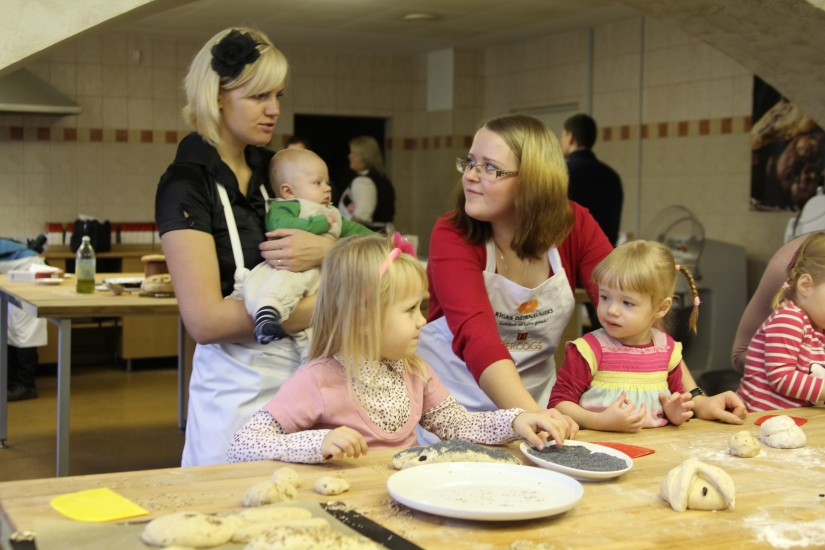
x: 777, y: 496
x: 62, y: 301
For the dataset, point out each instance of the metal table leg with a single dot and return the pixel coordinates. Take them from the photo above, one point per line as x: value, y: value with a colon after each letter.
x: 64, y: 373
x: 181, y: 373
x: 4, y: 369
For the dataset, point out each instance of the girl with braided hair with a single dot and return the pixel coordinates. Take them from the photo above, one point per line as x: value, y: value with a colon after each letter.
x: 628, y: 375
x: 784, y: 363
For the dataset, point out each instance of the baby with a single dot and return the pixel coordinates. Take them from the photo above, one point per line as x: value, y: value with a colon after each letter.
x: 301, y: 179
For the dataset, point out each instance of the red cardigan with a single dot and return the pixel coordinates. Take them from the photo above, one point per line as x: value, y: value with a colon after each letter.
x: 457, y: 290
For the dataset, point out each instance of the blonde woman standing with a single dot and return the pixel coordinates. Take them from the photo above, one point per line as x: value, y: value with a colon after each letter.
x: 370, y: 198
x: 210, y: 208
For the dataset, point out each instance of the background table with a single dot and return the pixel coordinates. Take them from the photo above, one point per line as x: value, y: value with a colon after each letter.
x: 777, y: 495
x: 60, y: 304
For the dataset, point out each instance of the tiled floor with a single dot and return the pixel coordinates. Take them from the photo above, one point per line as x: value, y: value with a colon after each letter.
x: 119, y: 422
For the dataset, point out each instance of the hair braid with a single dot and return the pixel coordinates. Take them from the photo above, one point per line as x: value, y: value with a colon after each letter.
x: 694, y: 293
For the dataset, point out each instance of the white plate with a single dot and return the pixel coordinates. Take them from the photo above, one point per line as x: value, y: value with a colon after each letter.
x: 484, y: 491
x: 587, y: 475
x: 49, y: 281
x: 134, y: 282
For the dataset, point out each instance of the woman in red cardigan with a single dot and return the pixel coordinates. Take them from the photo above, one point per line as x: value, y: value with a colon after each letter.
x: 502, y: 270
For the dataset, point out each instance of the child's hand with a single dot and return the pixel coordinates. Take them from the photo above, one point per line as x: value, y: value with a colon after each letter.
x: 330, y: 219
x: 342, y: 442
x: 678, y: 407
x: 532, y: 426
x: 572, y: 427
x: 622, y: 416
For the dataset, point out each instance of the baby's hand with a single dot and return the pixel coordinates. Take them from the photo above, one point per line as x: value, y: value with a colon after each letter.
x: 531, y: 426
x: 678, y: 407
x: 330, y: 219
x: 342, y: 442
x: 622, y: 416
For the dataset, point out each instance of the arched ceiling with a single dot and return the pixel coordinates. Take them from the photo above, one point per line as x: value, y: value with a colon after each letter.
x: 779, y: 40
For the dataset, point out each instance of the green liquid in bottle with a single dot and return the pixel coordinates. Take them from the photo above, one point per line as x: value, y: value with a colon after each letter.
x: 85, y: 286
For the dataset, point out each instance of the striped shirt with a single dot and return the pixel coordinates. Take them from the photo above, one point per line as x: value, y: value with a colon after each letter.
x: 778, y: 363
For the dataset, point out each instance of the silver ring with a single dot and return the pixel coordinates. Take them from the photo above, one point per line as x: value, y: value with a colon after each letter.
x: 279, y: 262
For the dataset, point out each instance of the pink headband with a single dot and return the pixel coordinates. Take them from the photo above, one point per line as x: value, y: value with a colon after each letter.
x: 402, y: 245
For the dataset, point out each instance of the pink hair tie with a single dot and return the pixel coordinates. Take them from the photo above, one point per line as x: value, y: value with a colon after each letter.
x: 696, y: 301
x: 786, y: 285
x: 400, y: 242
x: 385, y: 265
x: 678, y: 267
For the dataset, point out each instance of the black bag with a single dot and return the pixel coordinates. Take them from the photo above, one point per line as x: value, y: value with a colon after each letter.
x: 100, y: 235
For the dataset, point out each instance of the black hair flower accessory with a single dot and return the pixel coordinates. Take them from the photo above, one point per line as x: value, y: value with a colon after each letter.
x: 234, y: 52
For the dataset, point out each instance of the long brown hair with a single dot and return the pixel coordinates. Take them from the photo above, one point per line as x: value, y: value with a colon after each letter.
x: 542, y: 211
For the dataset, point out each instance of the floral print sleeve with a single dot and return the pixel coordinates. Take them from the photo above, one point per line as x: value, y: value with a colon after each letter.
x: 262, y: 438
x: 450, y: 420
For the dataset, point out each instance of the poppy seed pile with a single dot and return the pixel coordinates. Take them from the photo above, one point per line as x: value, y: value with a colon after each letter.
x: 579, y: 458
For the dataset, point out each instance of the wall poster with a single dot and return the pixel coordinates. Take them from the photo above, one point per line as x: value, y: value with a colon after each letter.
x: 788, y: 152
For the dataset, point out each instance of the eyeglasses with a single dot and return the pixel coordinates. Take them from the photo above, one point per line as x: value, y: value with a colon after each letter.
x: 486, y: 172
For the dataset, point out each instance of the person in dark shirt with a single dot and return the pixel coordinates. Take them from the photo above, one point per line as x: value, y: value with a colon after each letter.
x: 593, y: 184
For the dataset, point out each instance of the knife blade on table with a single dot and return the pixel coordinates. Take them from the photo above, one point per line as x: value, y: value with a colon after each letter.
x: 368, y: 528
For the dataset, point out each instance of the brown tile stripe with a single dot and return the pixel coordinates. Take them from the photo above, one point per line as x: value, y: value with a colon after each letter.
x: 660, y: 130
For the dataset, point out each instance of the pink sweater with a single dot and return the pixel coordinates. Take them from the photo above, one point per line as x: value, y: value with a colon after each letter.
x: 325, y: 404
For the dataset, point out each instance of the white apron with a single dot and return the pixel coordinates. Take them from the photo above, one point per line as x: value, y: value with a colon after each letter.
x: 231, y: 382
x: 24, y: 331
x: 530, y: 323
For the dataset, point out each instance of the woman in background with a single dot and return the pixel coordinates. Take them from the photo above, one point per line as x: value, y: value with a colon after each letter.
x: 370, y: 198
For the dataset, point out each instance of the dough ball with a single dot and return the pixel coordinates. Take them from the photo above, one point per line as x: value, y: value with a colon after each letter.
x: 331, y: 485
x: 698, y: 486
x: 269, y: 492
x: 189, y: 529
x: 288, y: 475
x: 744, y: 444
x: 781, y: 432
x: 249, y: 532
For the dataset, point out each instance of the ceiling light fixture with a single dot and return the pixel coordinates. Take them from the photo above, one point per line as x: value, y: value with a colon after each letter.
x: 419, y: 17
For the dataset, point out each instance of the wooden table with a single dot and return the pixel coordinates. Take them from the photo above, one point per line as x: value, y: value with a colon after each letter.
x: 60, y: 304
x: 777, y: 496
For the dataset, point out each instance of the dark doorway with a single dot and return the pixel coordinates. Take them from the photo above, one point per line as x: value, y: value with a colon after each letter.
x: 329, y: 136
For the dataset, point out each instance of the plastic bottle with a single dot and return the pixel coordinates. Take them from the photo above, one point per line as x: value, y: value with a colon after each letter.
x: 85, y: 267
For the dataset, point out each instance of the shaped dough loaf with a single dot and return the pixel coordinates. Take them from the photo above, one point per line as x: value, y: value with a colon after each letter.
x: 698, y: 486
x: 189, y: 529
x: 781, y: 432
x: 269, y: 492
x: 744, y: 444
x: 331, y: 485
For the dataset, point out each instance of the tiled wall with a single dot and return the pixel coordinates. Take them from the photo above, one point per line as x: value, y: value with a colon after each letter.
x: 695, y: 111
x: 695, y: 107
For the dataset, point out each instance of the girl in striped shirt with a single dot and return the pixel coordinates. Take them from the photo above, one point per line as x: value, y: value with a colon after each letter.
x: 784, y: 364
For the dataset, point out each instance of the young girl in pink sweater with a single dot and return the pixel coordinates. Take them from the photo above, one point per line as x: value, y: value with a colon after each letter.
x: 784, y: 365
x: 365, y: 387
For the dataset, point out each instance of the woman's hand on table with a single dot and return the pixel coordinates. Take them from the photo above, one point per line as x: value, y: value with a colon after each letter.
x: 342, y: 442
x: 533, y: 426
x: 294, y: 250
x: 726, y: 406
x: 572, y: 426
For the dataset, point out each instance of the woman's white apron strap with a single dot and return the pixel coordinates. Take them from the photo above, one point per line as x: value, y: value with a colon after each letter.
x: 530, y: 323
x: 267, y: 200
x: 231, y: 382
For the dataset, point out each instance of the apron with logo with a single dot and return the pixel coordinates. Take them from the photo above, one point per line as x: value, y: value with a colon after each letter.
x: 530, y: 323
x: 231, y: 382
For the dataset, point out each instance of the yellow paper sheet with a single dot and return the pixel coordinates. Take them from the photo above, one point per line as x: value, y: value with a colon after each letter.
x: 96, y: 505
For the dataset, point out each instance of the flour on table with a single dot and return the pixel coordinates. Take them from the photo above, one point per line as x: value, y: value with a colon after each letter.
x: 787, y: 534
